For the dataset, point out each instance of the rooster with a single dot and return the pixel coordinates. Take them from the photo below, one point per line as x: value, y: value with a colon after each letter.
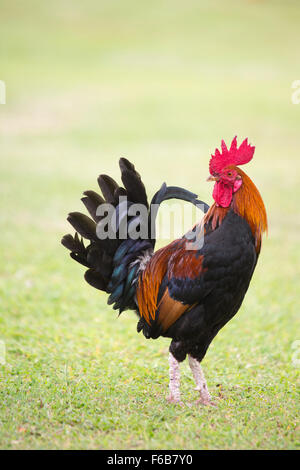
x: 189, y: 289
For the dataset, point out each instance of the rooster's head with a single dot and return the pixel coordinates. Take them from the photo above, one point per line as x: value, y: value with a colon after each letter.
x: 224, y: 171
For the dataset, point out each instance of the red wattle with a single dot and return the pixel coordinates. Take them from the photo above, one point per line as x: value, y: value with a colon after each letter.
x: 222, y: 194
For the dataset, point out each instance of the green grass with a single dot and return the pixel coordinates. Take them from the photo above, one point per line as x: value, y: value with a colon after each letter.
x: 160, y: 83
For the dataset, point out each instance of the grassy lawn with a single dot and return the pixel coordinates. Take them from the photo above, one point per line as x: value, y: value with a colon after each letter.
x: 160, y: 83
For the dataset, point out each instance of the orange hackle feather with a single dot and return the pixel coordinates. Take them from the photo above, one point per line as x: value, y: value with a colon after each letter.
x: 215, y: 215
x: 248, y: 203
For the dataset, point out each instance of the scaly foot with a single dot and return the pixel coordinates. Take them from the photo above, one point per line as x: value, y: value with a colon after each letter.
x: 205, y: 402
x: 172, y: 399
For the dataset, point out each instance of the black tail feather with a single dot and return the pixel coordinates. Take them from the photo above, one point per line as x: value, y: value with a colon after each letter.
x: 108, y: 187
x: 80, y: 259
x: 83, y: 225
x: 92, y: 201
x: 113, y: 263
x: 73, y: 244
x: 131, y: 179
x: 95, y: 279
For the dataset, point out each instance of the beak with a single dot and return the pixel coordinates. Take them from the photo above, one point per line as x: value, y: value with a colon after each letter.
x: 213, y: 178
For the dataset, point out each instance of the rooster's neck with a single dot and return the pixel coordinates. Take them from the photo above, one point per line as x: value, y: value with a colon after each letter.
x: 248, y: 204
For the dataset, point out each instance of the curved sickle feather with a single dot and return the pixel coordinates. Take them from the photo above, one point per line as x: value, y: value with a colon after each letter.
x: 172, y: 192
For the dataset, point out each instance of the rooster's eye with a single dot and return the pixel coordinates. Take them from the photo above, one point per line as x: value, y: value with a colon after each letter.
x: 229, y: 173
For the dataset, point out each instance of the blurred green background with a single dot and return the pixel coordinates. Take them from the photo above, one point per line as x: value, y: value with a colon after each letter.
x: 159, y: 83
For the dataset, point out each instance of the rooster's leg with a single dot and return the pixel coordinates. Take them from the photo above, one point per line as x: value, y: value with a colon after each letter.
x: 174, y: 384
x: 201, y: 384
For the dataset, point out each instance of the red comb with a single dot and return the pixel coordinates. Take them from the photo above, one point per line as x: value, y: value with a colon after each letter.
x: 233, y: 156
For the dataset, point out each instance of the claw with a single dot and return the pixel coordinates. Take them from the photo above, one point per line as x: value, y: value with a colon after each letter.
x: 172, y: 399
x: 205, y: 402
